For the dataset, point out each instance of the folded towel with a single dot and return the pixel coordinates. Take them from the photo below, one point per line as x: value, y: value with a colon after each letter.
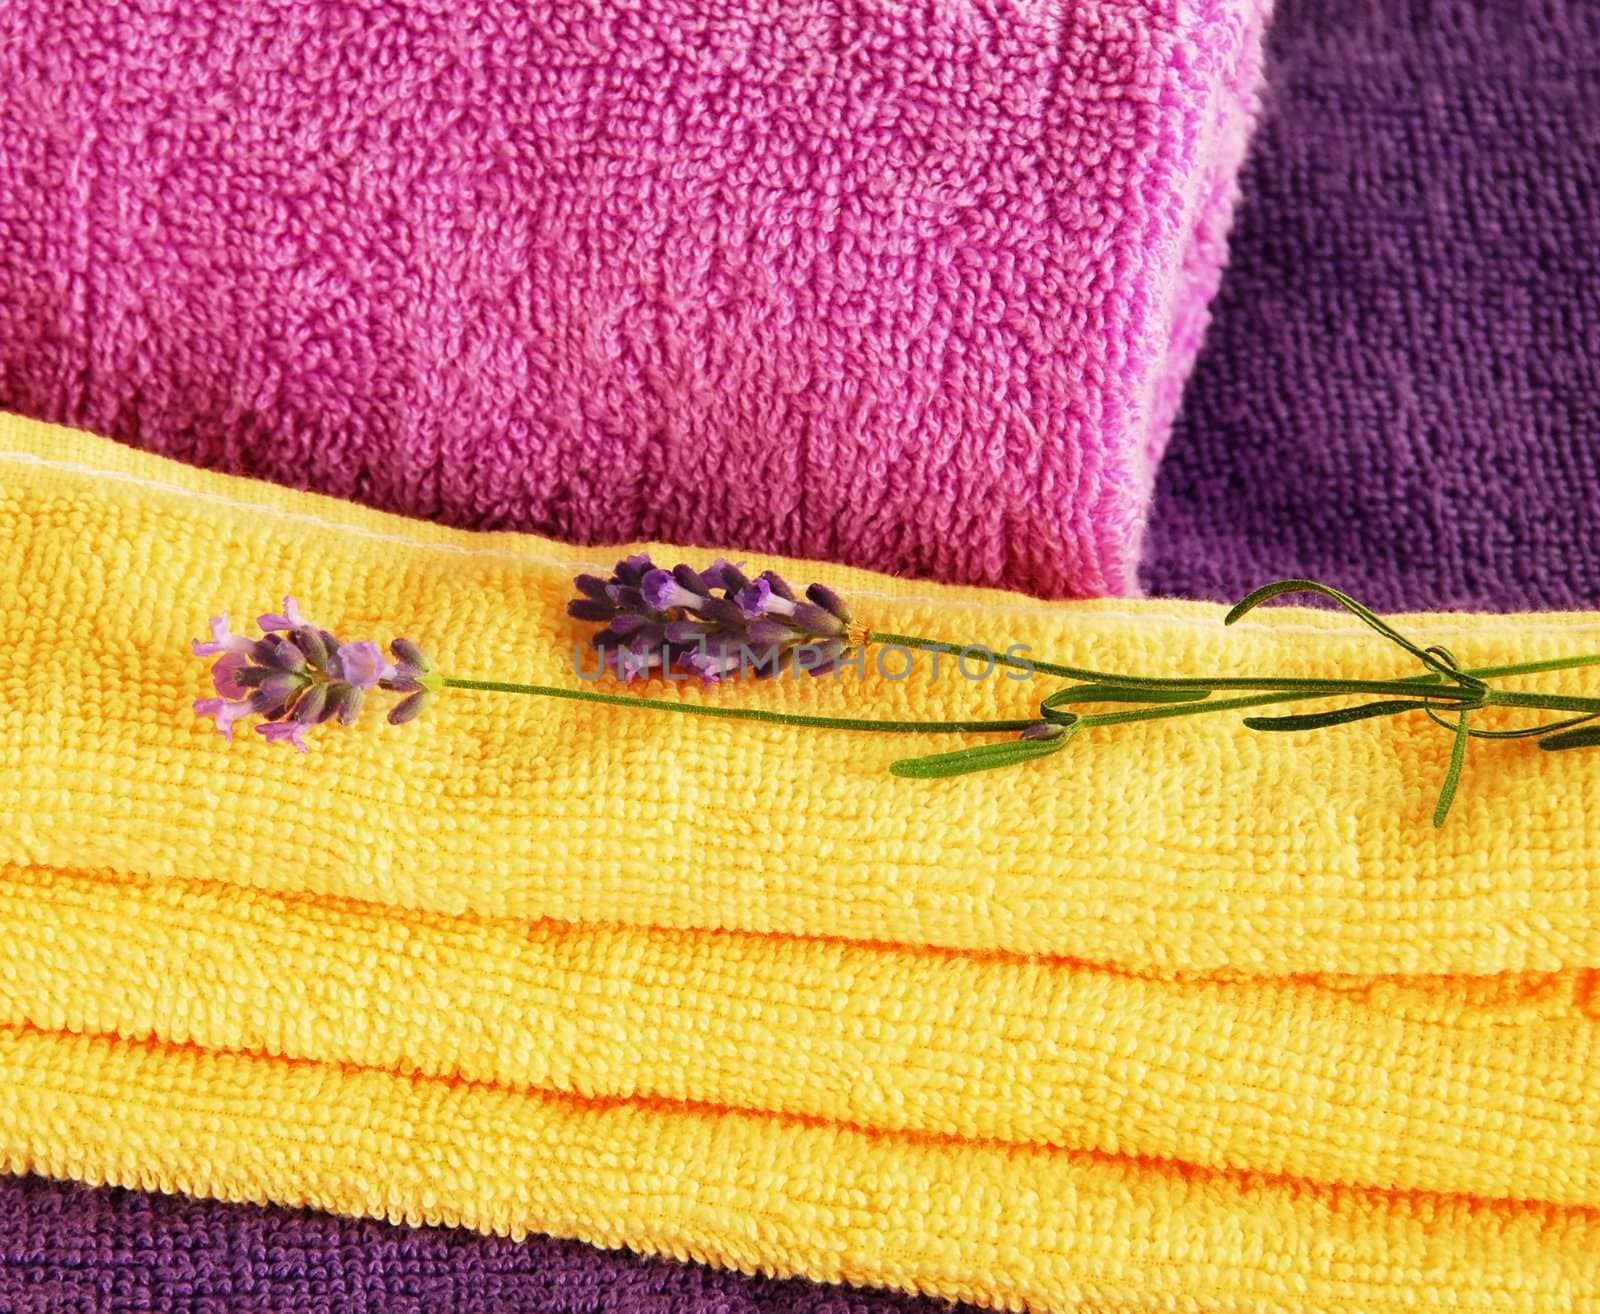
x: 906, y: 285
x: 1251, y: 1034
x: 1401, y: 391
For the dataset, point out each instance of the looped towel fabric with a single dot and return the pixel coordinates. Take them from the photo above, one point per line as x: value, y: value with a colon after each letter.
x: 1187, y: 1017
x: 1401, y: 385
x: 904, y: 285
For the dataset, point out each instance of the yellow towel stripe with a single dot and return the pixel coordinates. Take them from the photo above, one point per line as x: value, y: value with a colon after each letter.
x: 1006, y: 1227
x: 1273, y: 1076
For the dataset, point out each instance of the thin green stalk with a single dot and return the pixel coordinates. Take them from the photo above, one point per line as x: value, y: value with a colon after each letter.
x: 1275, y: 692
x: 1308, y: 686
x: 1189, y: 709
x: 743, y: 713
x: 1548, y: 702
x: 1536, y: 668
x: 1458, y: 759
x: 1543, y: 701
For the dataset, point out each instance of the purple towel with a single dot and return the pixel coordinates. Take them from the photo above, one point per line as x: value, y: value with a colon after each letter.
x: 68, y: 1249
x: 900, y: 284
x: 1400, y: 390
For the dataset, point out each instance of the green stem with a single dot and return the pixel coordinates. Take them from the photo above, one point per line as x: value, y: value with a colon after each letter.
x: 955, y: 650
x: 1556, y: 703
x: 1274, y: 691
x: 1311, y: 686
x: 742, y: 713
x: 1189, y: 709
x: 1536, y: 668
x: 1546, y: 702
x: 1550, y: 702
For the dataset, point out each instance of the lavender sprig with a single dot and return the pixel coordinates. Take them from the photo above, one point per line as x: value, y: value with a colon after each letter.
x: 298, y: 676
x: 713, y: 623
x: 719, y: 623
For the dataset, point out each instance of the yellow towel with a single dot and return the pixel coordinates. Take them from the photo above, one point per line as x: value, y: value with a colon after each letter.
x: 1186, y: 1017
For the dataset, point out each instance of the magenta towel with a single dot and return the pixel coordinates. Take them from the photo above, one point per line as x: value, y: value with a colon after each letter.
x: 906, y: 285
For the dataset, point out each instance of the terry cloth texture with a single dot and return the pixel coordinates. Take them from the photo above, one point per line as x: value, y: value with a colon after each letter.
x: 75, y: 1250
x: 909, y: 285
x: 1191, y: 1018
x: 1400, y: 393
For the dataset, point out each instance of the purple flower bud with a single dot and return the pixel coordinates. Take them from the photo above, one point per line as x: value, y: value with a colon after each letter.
x: 411, y: 669
x: 771, y: 634
x: 225, y: 676
x: 775, y: 583
x: 275, y: 696
x: 309, y: 640
x: 344, y: 702
x: 289, y: 619
x: 278, y: 732
x: 278, y: 689
x: 591, y: 586
x: 814, y: 620
x: 297, y: 676
x: 350, y: 707
x: 689, y: 577
x: 222, y: 639
x: 723, y: 612
x: 408, y: 654
x: 662, y: 590
x: 264, y: 652
x: 226, y: 713
x: 590, y: 609
x: 308, y: 707
x: 829, y: 601
x: 408, y: 709
x: 277, y: 654
x: 630, y: 624
x: 631, y: 570
x: 361, y: 664
x: 723, y: 575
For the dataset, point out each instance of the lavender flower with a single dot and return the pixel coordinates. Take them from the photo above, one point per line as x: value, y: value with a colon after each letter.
x: 410, y: 677
x: 298, y: 676
x: 713, y: 623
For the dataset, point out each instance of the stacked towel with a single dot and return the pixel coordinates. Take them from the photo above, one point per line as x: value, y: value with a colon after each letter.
x: 1187, y: 1015
x: 111, y: 1249
x: 1401, y: 392
x: 908, y: 285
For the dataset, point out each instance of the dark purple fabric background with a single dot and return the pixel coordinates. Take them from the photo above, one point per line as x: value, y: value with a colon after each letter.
x: 1400, y: 394
x: 1400, y: 389
x: 67, y: 1249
